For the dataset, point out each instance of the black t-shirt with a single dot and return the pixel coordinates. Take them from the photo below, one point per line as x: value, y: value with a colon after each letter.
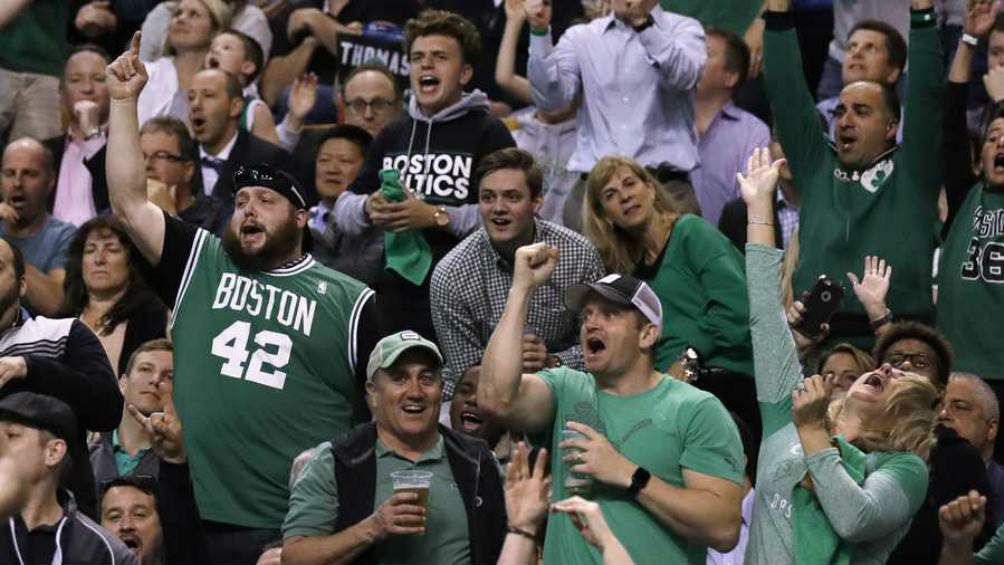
x: 41, y: 544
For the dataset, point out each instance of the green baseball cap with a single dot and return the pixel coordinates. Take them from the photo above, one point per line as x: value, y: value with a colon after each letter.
x: 388, y: 349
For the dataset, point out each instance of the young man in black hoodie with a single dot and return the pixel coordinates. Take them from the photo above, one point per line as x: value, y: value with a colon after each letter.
x: 436, y: 147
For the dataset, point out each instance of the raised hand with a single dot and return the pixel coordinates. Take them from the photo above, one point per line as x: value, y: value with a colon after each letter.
x: 302, y: 98
x: 980, y: 17
x: 164, y: 427
x: 588, y: 518
x: 526, y: 492
x: 538, y: 12
x: 514, y: 12
x: 534, y: 264
x: 126, y: 76
x: 8, y: 214
x: 873, y: 287
x: 809, y: 401
x: 961, y: 520
x: 757, y: 186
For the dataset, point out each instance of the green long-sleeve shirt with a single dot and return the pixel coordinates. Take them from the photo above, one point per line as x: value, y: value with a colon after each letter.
x: 886, y: 209
x: 699, y: 279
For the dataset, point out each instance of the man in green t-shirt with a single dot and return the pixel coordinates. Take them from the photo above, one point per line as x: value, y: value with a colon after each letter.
x: 266, y: 340
x: 663, y: 459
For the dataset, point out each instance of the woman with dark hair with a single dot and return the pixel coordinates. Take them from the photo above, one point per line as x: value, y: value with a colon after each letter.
x: 105, y: 290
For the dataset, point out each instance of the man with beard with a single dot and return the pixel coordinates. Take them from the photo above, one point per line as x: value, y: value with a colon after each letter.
x: 272, y: 340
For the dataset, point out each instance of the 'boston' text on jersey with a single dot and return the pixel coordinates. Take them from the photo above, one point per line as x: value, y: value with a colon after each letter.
x: 259, y: 299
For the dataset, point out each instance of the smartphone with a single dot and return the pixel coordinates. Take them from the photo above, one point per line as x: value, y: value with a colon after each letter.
x: 821, y: 303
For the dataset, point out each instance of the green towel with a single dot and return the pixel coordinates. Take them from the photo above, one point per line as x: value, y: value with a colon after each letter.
x: 407, y: 252
x: 815, y: 541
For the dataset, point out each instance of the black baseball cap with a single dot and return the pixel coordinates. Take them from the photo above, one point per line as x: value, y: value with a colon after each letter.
x: 42, y: 412
x: 267, y: 176
x: 624, y: 290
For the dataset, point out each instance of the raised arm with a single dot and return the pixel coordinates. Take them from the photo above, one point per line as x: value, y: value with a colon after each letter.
x: 125, y: 166
x: 775, y: 357
x: 554, y: 73
x: 505, y: 64
x: 798, y: 126
x: 925, y: 89
x: 520, y: 401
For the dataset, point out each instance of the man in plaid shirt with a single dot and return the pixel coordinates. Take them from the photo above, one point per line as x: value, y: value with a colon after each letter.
x: 470, y: 285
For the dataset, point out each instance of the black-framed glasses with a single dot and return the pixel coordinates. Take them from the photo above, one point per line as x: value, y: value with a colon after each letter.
x: 918, y: 360
x: 378, y: 105
x: 165, y: 156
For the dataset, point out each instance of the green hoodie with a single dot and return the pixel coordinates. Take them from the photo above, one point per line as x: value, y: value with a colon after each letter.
x: 886, y: 209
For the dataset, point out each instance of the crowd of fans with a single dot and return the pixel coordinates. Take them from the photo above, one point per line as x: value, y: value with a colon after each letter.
x: 501, y: 281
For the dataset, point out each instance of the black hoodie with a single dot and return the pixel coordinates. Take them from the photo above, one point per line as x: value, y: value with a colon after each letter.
x: 437, y: 157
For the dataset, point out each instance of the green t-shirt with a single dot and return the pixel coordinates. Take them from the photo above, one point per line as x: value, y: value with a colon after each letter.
x: 313, y: 507
x: 887, y: 209
x: 264, y: 367
x: 971, y: 285
x: 702, y: 286
x: 733, y: 15
x: 668, y: 428
x: 35, y: 41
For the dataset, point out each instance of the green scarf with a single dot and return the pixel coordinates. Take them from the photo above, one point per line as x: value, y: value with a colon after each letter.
x: 407, y: 252
x: 815, y: 541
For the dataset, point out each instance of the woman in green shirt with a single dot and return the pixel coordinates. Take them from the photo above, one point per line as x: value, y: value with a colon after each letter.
x: 694, y: 269
x: 837, y: 482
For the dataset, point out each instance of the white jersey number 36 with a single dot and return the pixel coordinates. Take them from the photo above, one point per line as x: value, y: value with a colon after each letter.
x: 273, y: 350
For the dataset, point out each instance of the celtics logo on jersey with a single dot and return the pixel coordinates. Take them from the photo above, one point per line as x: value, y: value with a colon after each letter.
x: 985, y: 259
x: 873, y: 178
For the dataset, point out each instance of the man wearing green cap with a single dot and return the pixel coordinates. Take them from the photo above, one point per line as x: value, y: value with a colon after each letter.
x: 344, y: 509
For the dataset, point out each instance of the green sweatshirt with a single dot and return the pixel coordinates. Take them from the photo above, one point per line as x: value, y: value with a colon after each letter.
x: 869, y: 518
x: 971, y: 285
x: 700, y: 281
x: 887, y: 209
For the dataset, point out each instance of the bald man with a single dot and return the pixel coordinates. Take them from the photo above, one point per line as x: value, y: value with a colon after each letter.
x: 27, y: 180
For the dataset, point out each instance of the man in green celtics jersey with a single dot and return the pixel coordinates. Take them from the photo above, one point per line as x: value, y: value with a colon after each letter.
x: 862, y: 194
x: 266, y: 340
x: 971, y: 274
x: 664, y: 459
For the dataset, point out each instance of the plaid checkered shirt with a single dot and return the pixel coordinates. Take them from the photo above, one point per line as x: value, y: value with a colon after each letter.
x: 469, y: 288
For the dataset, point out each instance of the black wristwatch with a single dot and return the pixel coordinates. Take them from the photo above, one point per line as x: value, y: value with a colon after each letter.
x: 649, y: 22
x: 639, y: 480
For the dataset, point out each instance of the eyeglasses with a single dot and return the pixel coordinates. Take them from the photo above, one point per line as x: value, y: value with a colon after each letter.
x: 165, y: 156
x: 378, y: 105
x: 918, y: 360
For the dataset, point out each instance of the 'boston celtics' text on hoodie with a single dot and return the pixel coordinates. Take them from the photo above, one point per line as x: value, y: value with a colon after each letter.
x: 438, y: 156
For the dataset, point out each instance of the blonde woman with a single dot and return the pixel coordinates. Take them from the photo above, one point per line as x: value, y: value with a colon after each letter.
x: 836, y: 482
x: 192, y: 28
x: 694, y: 269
